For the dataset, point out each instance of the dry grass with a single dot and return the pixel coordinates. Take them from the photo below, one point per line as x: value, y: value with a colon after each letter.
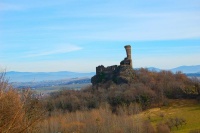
x: 95, y: 121
x: 104, y: 121
x: 18, y: 113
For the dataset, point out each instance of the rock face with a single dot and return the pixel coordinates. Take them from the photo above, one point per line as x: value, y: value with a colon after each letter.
x: 118, y: 74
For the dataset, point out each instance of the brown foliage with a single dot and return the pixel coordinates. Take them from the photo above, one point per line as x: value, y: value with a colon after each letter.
x: 100, y: 120
x: 162, y: 128
x: 175, y: 122
x: 18, y: 112
x: 149, y: 89
x: 147, y: 127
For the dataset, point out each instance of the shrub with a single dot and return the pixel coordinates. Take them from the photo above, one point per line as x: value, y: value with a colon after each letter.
x: 163, y: 128
x: 175, y: 122
x: 18, y: 111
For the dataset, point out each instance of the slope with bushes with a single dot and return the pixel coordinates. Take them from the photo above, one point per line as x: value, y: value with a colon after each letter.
x: 141, y: 107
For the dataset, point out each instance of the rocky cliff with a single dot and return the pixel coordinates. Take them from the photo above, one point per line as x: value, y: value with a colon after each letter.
x: 118, y: 74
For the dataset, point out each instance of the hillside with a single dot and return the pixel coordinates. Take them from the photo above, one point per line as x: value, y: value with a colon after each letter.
x: 152, y: 98
x: 189, y: 110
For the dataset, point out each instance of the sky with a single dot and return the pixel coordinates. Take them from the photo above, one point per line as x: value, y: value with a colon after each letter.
x: 78, y: 35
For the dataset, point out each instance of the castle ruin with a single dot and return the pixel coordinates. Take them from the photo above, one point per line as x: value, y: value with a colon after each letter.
x: 126, y: 62
x: 117, y: 73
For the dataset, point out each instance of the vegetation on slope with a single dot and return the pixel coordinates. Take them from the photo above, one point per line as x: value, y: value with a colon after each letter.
x: 128, y: 120
x: 187, y: 111
x: 150, y: 89
x: 106, y: 107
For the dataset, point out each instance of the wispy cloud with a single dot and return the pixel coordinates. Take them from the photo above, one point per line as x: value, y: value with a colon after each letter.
x: 52, y: 51
x: 142, y: 25
x: 97, y: 23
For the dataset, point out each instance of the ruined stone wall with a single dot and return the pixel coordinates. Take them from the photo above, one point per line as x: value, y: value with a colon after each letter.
x: 107, y: 70
x: 122, y: 73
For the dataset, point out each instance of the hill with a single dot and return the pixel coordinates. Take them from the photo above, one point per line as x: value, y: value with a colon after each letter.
x: 183, y: 69
x: 193, y: 74
x: 187, y: 69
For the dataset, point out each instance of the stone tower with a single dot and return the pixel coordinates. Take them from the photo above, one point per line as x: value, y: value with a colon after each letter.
x: 128, y: 60
x: 128, y: 51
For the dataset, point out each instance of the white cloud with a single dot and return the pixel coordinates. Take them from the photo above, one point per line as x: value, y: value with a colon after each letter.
x: 51, y: 51
x: 148, y: 26
x: 97, y: 23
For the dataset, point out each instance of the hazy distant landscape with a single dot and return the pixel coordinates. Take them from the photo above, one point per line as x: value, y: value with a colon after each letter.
x: 66, y: 75
x: 48, y: 82
x: 45, y: 76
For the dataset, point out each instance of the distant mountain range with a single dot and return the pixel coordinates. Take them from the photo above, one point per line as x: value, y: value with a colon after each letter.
x: 187, y: 69
x: 183, y: 69
x: 14, y: 76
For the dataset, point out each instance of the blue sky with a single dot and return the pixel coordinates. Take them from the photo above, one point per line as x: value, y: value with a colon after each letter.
x: 78, y: 35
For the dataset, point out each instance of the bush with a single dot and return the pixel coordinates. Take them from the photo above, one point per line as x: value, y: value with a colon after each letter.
x: 147, y: 127
x: 163, y: 128
x: 18, y: 112
x: 175, y: 122
x: 100, y: 120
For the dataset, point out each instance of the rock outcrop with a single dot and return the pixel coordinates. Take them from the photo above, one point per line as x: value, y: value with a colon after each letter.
x: 118, y: 74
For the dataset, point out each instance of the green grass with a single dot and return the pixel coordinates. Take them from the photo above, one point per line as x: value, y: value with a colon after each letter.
x: 187, y: 109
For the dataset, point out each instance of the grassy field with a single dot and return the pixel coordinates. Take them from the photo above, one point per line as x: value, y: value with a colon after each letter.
x: 186, y: 109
